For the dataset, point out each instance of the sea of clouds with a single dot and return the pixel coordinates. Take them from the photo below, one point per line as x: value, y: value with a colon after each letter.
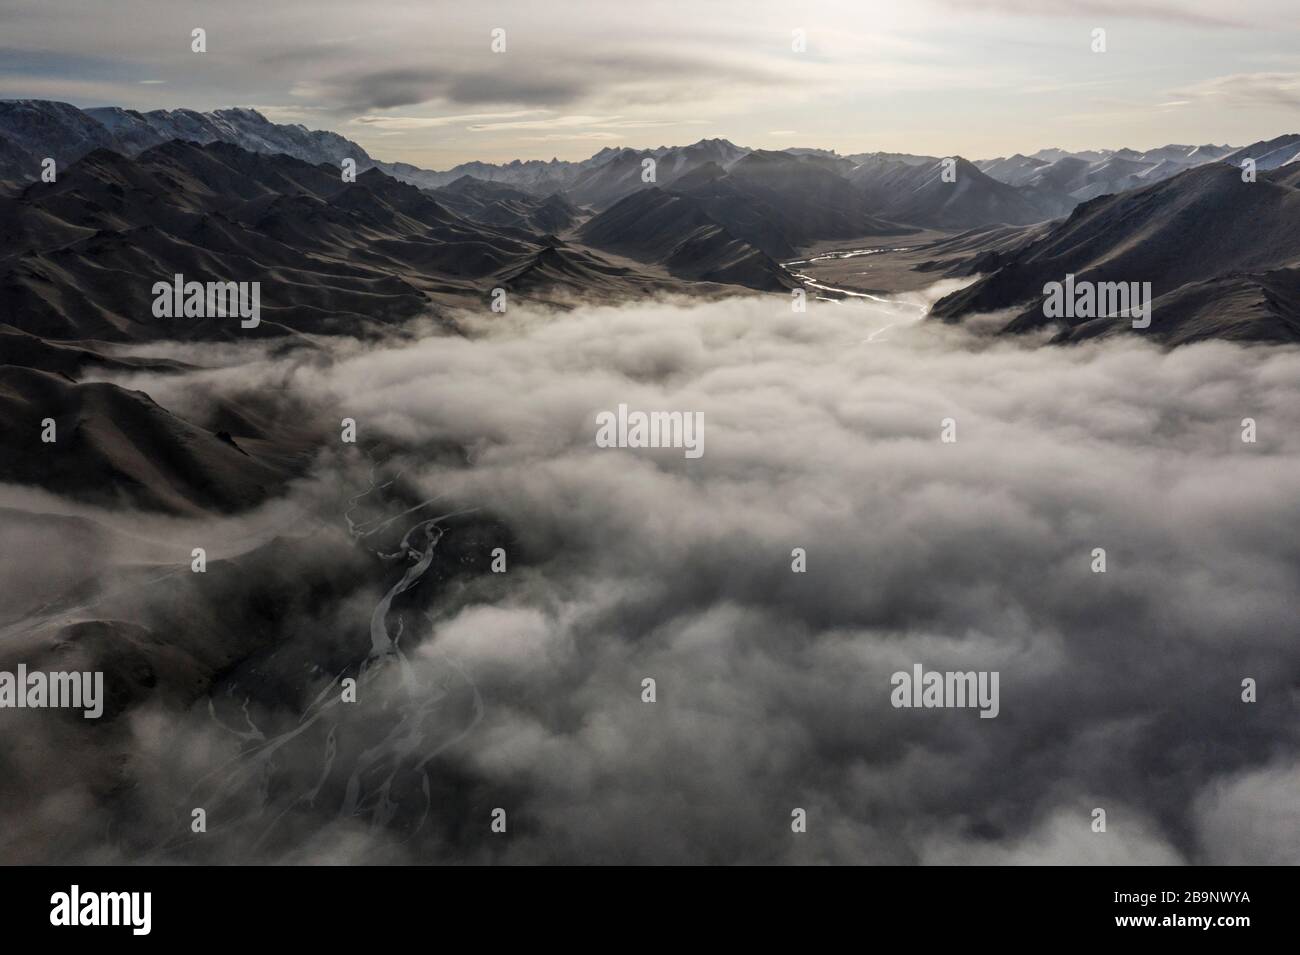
x: 1119, y: 691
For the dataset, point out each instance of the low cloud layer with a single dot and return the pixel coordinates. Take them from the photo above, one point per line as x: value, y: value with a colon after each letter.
x: 1119, y: 691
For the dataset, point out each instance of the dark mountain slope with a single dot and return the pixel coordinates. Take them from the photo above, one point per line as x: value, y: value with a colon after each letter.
x: 496, y: 204
x: 781, y: 202
x: 808, y: 195
x: 71, y: 360
x: 1239, y: 306
x: 79, y: 257
x: 1014, y: 170
x: 609, y: 182
x: 246, y: 128
x: 17, y: 165
x: 918, y: 194
x: 746, y: 216
x: 559, y: 272
x: 981, y: 250
x: 674, y: 231
x: 1204, y: 235
x: 1268, y: 153
x: 118, y: 446
x: 614, y: 173
x: 42, y: 128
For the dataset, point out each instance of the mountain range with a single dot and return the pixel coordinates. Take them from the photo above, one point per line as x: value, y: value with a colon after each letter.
x: 1047, y: 183
x: 231, y: 194
x: 139, y: 198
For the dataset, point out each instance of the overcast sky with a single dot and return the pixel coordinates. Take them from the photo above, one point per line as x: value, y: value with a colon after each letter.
x: 416, y: 80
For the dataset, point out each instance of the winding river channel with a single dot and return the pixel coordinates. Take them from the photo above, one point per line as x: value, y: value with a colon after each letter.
x: 908, y: 311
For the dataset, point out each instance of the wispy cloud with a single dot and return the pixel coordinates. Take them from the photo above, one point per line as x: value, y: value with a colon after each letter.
x: 1184, y: 12
x: 1247, y: 90
x: 437, y: 122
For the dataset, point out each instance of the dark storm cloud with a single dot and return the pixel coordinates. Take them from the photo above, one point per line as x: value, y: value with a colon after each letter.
x: 1119, y: 691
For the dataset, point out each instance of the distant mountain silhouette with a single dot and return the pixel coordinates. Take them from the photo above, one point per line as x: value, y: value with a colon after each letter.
x: 1269, y: 153
x: 1079, y: 176
x: 918, y: 193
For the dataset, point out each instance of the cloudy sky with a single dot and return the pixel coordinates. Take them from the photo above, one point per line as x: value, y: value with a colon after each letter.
x: 416, y: 80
